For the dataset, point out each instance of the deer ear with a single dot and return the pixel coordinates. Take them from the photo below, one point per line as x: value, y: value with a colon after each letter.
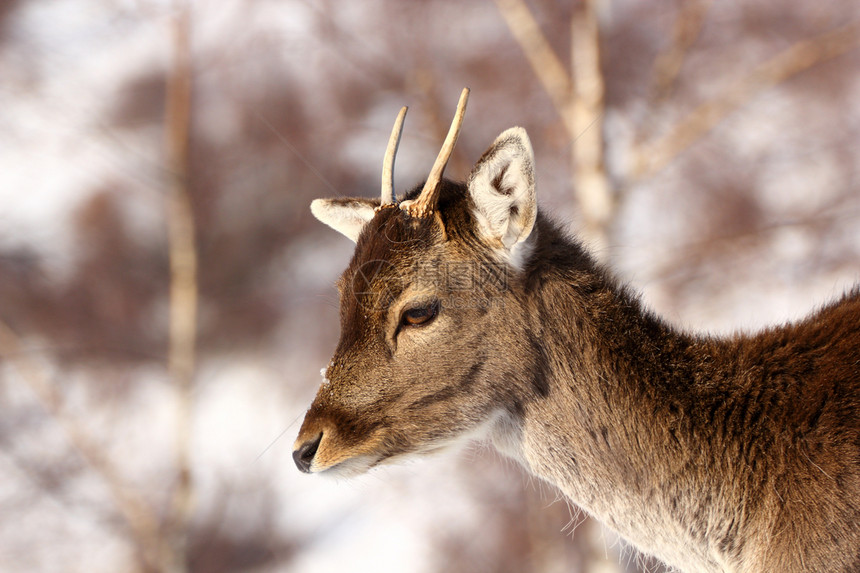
x: 502, y: 186
x: 345, y: 215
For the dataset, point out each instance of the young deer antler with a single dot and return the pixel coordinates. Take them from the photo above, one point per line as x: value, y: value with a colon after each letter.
x: 426, y: 202
x: 388, y: 197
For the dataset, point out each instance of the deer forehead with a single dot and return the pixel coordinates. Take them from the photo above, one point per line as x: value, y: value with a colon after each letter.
x: 393, y: 248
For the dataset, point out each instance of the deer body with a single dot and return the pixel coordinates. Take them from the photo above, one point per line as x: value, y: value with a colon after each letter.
x: 732, y: 454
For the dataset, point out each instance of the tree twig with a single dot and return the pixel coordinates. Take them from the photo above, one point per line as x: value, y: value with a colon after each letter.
x: 654, y: 156
x: 543, y: 60
x: 138, y: 516
x: 183, y: 274
x: 688, y: 26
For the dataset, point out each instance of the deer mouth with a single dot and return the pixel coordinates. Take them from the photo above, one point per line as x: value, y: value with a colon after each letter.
x: 325, y: 447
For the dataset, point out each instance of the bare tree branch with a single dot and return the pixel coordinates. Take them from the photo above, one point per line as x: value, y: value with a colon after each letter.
x: 654, y: 156
x: 543, y: 60
x: 183, y: 275
x: 688, y: 26
x: 141, y: 521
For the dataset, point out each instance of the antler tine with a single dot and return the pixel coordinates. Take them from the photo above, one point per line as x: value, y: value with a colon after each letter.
x: 426, y: 202
x: 388, y: 197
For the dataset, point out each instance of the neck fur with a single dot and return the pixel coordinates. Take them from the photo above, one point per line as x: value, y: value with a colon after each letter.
x: 619, y: 431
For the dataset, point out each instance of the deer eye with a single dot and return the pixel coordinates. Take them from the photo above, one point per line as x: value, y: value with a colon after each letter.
x: 420, y: 315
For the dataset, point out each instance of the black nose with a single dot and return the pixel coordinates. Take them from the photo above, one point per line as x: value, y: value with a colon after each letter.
x: 304, y: 455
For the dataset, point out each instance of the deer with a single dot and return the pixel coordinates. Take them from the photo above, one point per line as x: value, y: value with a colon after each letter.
x: 468, y: 314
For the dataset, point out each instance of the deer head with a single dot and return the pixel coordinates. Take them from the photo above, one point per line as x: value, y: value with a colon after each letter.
x: 420, y: 305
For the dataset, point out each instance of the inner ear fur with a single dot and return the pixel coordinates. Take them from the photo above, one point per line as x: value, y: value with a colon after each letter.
x: 502, y: 187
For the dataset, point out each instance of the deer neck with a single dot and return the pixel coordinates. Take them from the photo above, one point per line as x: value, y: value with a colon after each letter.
x: 616, y: 431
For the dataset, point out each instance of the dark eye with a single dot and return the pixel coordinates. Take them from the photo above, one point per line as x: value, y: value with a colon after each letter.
x: 420, y: 315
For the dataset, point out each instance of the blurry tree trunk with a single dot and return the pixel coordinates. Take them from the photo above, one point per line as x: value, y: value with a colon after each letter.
x: 183, y: 277
x: 590, y: 180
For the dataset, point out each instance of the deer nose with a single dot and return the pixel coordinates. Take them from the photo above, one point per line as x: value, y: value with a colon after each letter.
x: 304, y: 454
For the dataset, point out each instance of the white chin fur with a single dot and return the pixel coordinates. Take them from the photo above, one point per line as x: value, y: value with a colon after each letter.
x: 348, y: 468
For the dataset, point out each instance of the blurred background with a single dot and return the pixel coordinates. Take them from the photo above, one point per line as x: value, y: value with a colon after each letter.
x: 167, y: 300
